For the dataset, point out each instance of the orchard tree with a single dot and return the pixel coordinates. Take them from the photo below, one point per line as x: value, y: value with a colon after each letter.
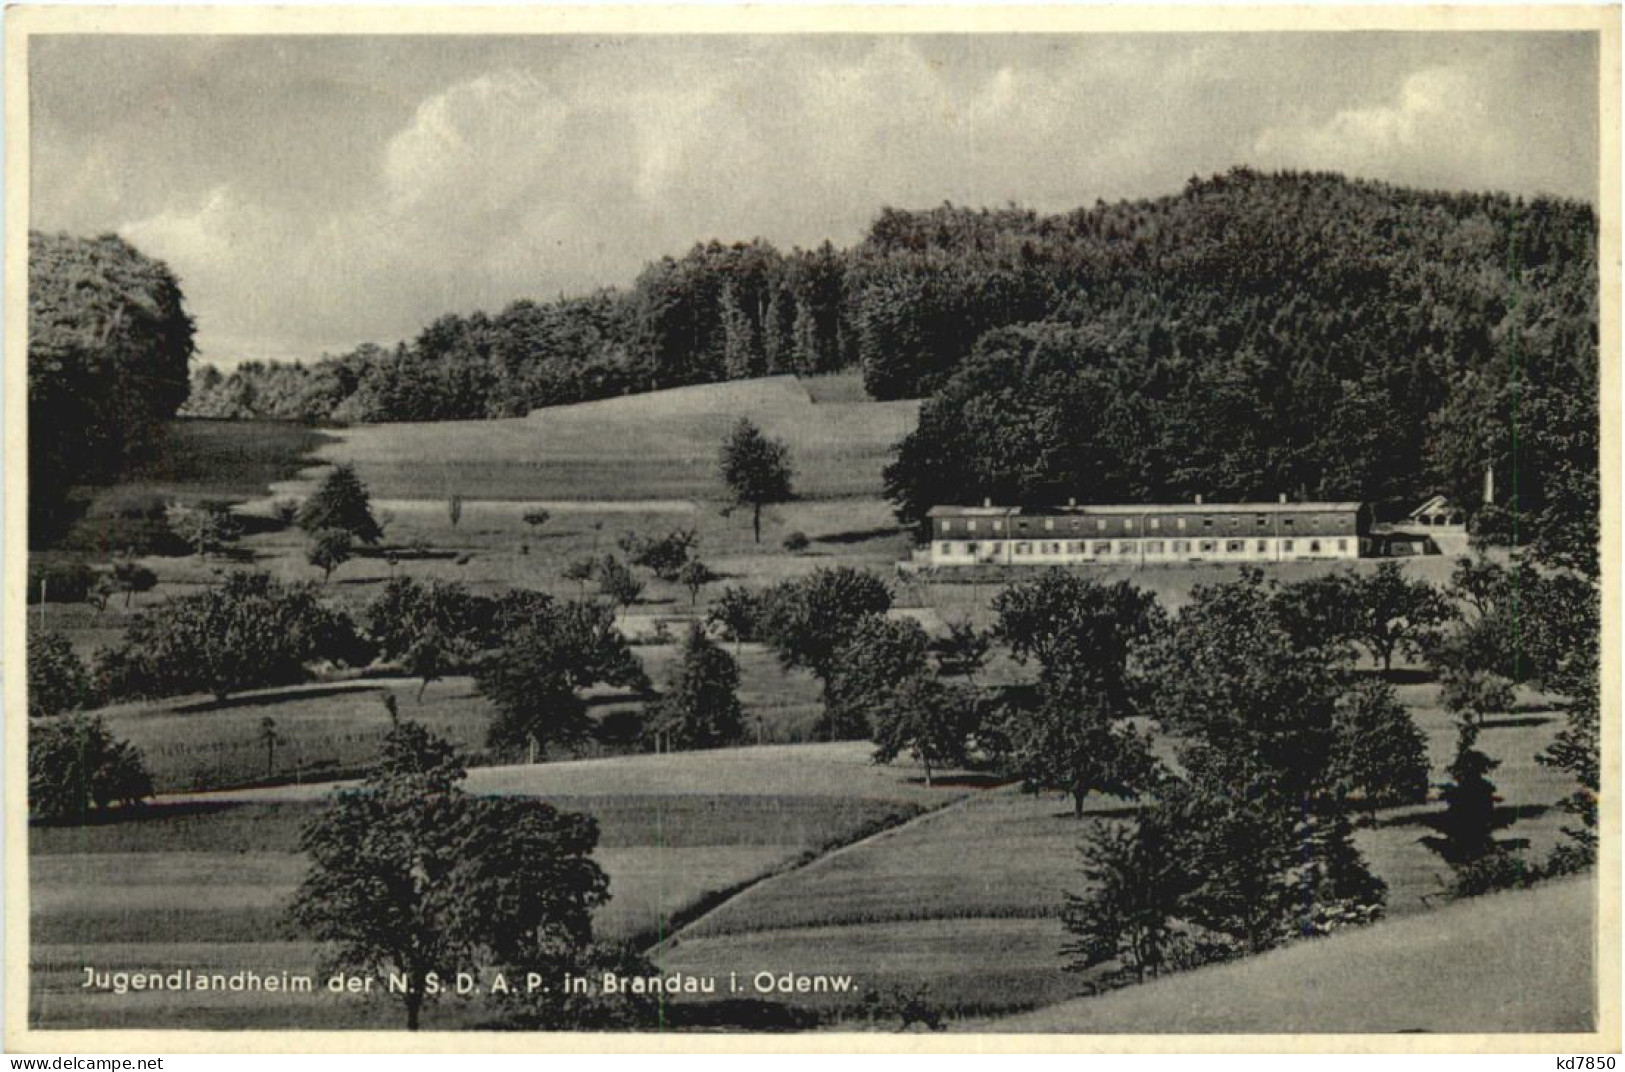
x: 617, y: 581
x: 756, y: 470
x: 131, y: 578
x: 581, y: 571
x: 411, y: 876
x: 1074, y: 740
x: 454, y: 509
x: 700, y: 706
x: 57, y: 680
x: 341, y: 502
x: 664, y: 557
x: 963, y: 651
x: 269, y: 738
x: 329, y: 549
x: 535, y: 675
x: 737, y: 612
x: 877, y: 657
x: 1379, y: 755
x: 694, y: 576
x: 208, y: 528
x: 926, y: 718
x: 1072, y: 624
x: 75, y: 764
x: 808, y: 620
x: 1390, y: 612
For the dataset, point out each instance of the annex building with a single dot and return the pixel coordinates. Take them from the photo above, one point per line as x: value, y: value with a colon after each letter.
x: 1141, y: 535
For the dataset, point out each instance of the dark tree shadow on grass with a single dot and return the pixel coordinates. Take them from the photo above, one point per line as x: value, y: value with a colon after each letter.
x: 293, y: 694
x: 858, y: 535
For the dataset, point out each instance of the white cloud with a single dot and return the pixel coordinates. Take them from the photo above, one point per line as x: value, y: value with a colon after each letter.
x: 455, y: 182
x: 1437, y: 124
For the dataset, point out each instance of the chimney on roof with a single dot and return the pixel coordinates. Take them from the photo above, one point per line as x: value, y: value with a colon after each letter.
x: 1198, y: 500
x: 1283, y: 496
x: 987, y: 501
x: 1072, y: 500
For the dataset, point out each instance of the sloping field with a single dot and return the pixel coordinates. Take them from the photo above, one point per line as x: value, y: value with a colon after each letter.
x: 1520, y: 961
x: 656, y: 446
x: 993, y: 871
x: 203, y: 881
x: 962, y: 904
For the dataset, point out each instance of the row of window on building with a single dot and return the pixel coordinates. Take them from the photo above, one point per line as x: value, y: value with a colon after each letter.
x: 1134, y: 547
x: 1076, y: 524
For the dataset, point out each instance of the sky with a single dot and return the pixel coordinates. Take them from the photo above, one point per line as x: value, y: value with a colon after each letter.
x: 314, y: 193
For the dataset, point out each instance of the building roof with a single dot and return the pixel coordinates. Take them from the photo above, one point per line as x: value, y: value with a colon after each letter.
x: 1437, y: 504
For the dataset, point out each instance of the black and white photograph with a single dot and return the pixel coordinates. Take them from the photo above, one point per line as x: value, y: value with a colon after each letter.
x: 904, y: 527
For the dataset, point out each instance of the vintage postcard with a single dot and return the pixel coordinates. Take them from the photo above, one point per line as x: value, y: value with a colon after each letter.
x: 1093, y: 528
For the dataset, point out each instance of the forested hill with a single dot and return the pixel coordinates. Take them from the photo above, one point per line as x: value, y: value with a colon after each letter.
x: 1254, y: 334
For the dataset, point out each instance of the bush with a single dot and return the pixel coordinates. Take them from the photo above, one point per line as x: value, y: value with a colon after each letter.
x: 797, y: 542
x: 129, y: 522
x: 249, y: 632
x: 74, y: 764
x: 57, y: 680
x: 67, y: 582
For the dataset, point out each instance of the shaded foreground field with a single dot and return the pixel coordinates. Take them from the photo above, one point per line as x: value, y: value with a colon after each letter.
x: 202, y: 881
x: 1512, y: 962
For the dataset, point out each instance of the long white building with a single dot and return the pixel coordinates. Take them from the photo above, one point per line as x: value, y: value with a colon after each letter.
x: 1132, y: 535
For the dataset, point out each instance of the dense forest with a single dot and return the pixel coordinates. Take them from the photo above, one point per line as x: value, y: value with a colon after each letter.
x: 1255, y: 334
x: 109, y: 342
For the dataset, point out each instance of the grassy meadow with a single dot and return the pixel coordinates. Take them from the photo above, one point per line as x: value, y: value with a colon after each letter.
x: 778, y: 857
x: 965, y: 904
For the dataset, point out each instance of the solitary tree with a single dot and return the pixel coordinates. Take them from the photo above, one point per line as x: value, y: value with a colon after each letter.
x: 700, y: 707
x: 756, y: 470
x: 1466, y: 831
x: 329, y: 549
x: 414, y: 879
x: 454, y: 509
x: 695, y: 576
x: 341, y: 502
x: 537, y: 518
x: 270, y: 738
